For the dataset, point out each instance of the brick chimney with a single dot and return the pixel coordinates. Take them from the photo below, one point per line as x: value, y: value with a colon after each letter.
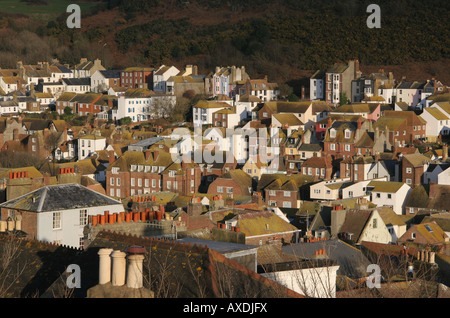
x: 444, y: 152
x: 111, y: 157
x: 46, y: 179
x: 194, y: 207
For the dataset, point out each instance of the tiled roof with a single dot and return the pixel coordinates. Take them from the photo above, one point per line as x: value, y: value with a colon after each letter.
x: 385, y: 186
x: 288, y: 119
x: 391, y: 123
x: 431, y: 232
x: 262, y: 223
x: 389, y: 216
x: 436, y: 113
x: 357, y: 108
x: 367, y: 140
x: 59, y: 197
x: 337, y: 68
x: 211, y: 104
x: 355, y: 222
x: 139, y: 93
x: 416, y: 159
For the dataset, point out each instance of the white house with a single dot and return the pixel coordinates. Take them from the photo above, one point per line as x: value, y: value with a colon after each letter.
x: 142, y: 104
x: 8, y: 84
x: 245, y: 104
x: 387, y: 91
x: 77, y: 85
x: 395, y: 225
x: 434, y: 171
x: 438, y: 123
x: 161, y: 75
x: 358, y: 189
x: 9, y: 107
x: 202, y: 112
x: 316, y: 84
x: 377, y: 170
x: 389, y: 193
x: 318, y: 281
x: 89, y: 144
x: 328, y: 190
x: 233, y: 141
x: 102, y: 80
x: 59, y: 213
x: 444, y: 177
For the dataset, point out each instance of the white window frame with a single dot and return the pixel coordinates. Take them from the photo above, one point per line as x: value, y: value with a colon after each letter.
x: 57, y: 220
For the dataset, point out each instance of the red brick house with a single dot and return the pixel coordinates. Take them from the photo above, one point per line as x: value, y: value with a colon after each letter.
x: 136, y: 173
x: 341, y: 138
x: 429, y: 234
x: 402, y: 127
x: 284, y: 191
x: 321, y: 168
x: 413, y: 168
x: 234, y: 182
x: 137, y: 77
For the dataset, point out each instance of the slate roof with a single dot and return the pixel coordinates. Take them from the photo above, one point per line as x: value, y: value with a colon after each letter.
x: 77, y: 81
x: 352, y: 263
x: 337, y: 68
x: 310, y: 147
x: 110, y: 73
x: 355, y: 222
x: 59, y: 197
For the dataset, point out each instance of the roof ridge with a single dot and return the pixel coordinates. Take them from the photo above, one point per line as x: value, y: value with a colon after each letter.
x: 41, y: 201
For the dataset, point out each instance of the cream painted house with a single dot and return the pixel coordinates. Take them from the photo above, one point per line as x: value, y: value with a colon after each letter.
x: 329, y: 190
x: 389, y: 193
x: 364, y: 225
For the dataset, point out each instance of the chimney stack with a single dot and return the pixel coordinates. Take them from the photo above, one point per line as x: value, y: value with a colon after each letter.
x: 444, y: 152
x: 118, y: 268
x: 105, y: 265
x: 135, y: 267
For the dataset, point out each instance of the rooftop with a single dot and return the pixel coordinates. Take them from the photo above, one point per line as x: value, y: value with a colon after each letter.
x: 59, y: 197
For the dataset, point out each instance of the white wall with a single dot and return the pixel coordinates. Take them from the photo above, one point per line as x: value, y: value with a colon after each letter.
x: 444, y: 177
x: 318, y: 282
x: 90, y: 146
x: 397, y: 199
x: 71, y: 230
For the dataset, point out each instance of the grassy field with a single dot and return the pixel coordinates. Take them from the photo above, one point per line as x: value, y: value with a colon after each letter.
x: 43, y: 12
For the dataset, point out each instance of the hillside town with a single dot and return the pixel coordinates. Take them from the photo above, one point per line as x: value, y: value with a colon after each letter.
x: 248, y: 193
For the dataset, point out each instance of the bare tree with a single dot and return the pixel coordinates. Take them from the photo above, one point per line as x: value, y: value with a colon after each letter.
x: 160, y: 280
x: 10, y: 270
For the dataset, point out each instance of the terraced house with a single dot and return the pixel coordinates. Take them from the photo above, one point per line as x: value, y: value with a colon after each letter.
x: 341, y: 138
x: 285, y: 191
x: 151, y: 171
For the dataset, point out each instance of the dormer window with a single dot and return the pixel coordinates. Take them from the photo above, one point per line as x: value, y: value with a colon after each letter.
x: 115, y: 170
x: 133, y: 168
x: 332, y: 133
x: 347, y: 134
